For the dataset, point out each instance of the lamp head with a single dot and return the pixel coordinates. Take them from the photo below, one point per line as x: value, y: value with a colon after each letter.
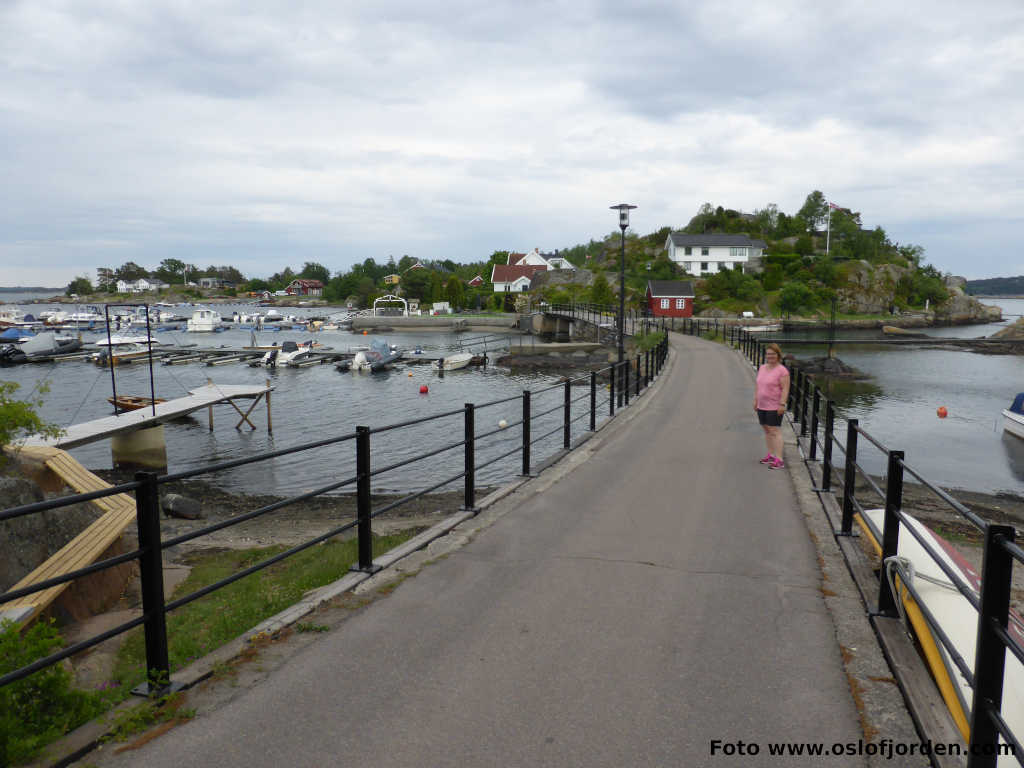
x: 623, y: 209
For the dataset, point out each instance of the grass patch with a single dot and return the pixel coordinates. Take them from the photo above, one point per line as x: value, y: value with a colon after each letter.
x: 206, y: 624
x: 646, y: 341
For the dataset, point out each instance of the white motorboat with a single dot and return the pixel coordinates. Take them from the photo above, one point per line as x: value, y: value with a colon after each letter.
x: 121, y: 348
x: 11, y: 316
x: 453, y: 361
x: 288, y: 352
x: 204, y: 321
x: 1013, y: 417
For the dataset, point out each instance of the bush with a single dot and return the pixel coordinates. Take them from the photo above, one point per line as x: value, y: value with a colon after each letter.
x: 42, y: 707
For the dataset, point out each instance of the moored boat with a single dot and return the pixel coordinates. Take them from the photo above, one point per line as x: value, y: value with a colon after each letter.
x: 203, y: 321
x: 379, y: 357
x: 133, y: 402
x: 453, y: 361
x: 1013, y: 417
x: 288, y: 352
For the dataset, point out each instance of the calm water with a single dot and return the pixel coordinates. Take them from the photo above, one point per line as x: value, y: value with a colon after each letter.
x: 897, y: 405
x: 310, y: 404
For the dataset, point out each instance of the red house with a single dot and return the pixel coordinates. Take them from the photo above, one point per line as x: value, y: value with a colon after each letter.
x: 302, y: 287
x: 476, y: 281
x: 670, y: 298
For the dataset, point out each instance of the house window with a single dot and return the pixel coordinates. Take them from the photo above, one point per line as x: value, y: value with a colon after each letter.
x: 680, y: 303
x: 664, y: 303
x: 526, y: 287
x: 688, y: 251
x: 703, y: 266
x: 738, y: 253
x: 508, y: 288
x: 704, y: 251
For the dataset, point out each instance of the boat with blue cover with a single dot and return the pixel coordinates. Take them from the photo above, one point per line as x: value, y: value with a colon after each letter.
x: 1013, y: 417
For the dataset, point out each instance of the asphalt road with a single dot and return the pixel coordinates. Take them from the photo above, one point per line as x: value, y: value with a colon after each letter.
x: 661, y: 596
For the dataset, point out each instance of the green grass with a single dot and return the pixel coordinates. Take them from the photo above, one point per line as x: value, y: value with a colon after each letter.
x: 206, y: 624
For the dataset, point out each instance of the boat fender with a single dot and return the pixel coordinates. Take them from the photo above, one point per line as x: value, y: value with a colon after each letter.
x: 941, y: 412
x: 423, y: 389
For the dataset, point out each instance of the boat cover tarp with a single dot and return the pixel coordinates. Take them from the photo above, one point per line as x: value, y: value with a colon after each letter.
x: 1018, y: 404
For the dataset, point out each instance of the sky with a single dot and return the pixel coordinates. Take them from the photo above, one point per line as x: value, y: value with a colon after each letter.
x: 265, y: 134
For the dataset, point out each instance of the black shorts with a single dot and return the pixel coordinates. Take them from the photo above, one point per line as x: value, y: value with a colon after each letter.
x: 769, y: 418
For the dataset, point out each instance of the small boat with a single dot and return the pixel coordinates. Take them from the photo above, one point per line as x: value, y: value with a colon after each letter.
x: 11, y: 316
x: 453, y: 362
x: 122, y: 348
x: 133, y: 402
x: 43, y: 345
x: 203, y: 321
x: 1013, y: 417
x: 379, y: 357
x: 288, y: 352
x: 762, y: 328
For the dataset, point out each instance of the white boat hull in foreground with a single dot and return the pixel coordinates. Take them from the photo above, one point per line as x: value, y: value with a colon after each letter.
x: 1013, y: 423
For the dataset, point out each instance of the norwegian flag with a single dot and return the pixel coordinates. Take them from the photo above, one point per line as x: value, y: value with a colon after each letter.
x: 834, y: 207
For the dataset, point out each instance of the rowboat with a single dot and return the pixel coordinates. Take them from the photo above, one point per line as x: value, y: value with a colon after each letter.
x: 954, y: 614
x: 133, y: 402
x: 453, y: 362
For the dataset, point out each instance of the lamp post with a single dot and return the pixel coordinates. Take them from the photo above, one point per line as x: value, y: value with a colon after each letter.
x: 623, y: 209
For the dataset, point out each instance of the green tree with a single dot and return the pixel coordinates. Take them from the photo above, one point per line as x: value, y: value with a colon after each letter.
x: 795, y: 297
x: 600, y: 291
x: 436, y: 287
x: 130, y: 271
x: 80, y: 285
x: 416, y: 284
x: 171, y: 271
x: 454, y: 291
x: 313, y: 271
x: 814, y: 211
x: 19, y: 418
x: 404, y: 263
x: 104, y: 278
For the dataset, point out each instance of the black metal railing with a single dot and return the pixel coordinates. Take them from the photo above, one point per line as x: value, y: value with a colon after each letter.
x: 558, y: 398
x: 991, y: 599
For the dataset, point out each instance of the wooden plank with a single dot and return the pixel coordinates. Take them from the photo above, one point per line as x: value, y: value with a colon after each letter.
x: 83, y: 549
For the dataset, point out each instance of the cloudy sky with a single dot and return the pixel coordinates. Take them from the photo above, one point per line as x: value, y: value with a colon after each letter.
x: 268, y: 133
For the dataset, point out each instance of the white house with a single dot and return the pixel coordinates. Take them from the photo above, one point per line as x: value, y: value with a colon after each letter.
x: 537, y: 259
x: 513, y: 277
x: 707, y: 254
x: 139, y: 286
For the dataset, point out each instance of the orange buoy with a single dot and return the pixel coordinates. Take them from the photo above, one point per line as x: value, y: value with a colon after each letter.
x: 942, y: 412
x: 423, y: 389
x: 410, y: 374
x: 364, y: 333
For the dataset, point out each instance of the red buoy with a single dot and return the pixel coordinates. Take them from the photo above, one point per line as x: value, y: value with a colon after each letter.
x: 423, y: 389
x: 941, y: 412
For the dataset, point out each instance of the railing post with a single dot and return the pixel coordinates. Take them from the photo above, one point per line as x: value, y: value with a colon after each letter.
x: 567, y: 416
x: 638, y: 375
x: 990, y: 653
x: 526, y: 433
x: 611, y: 389
x: 850, y: 476
x: 826, y: 464
x: 364, y: 506
x: 593, y: 401
x: 147, y: 520
x: 469, y: 502
x: 815, y: 407
x: 891, y: 530
x: 808, y: 383
x: 625, y: 379
x: 797, y: 399
x: 622, y: 383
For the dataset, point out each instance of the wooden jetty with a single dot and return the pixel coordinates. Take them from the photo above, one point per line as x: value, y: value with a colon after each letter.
x: 86, y: 548
x: 123, y: 423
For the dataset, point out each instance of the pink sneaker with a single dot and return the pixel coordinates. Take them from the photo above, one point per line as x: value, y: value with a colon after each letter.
x: 767, y: 459
x: 777, y: 464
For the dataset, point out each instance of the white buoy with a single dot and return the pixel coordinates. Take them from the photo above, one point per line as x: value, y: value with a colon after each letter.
x: 502, y: 423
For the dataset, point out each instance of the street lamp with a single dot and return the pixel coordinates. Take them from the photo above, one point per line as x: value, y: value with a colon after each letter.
x: 623, y: 209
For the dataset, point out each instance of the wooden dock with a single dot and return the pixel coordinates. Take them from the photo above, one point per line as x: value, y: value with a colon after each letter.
x: 86, y: 548
x: 122, y: 423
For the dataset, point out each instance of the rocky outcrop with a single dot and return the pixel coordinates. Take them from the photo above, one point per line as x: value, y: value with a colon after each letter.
x: 1015, y: 331
x: 962, y: 309
x: 582, y: 277
x: 870, y: 290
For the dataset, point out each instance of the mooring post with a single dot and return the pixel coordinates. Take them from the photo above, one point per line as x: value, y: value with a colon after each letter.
x: 151, y: 572
x: 990, y: 651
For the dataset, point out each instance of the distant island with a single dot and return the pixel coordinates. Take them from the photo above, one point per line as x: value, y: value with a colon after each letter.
x: 996, y: 286
x: 28, y: 288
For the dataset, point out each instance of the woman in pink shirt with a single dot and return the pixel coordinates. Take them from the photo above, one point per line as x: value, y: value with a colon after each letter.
x: 770, y: 397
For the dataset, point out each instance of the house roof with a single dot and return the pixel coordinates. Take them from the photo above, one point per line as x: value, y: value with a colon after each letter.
x: 307, y: 283
x: 509, y: 273
x: 514, y: 258
x: 674, y: 289
x: 683, y: 239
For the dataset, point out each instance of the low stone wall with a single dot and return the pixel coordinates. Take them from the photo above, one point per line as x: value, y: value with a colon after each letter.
x: 436, y: 322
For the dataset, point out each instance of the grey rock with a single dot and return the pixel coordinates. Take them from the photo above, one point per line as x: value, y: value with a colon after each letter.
x: 176, y: 505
